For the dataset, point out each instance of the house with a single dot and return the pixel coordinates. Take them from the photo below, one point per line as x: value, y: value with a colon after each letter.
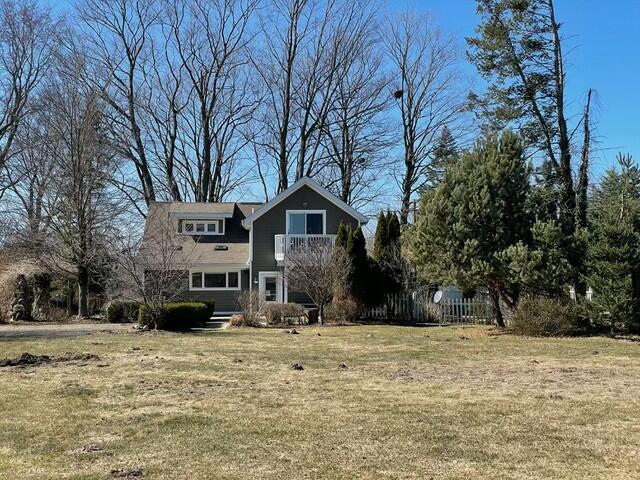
x: 223, y: 248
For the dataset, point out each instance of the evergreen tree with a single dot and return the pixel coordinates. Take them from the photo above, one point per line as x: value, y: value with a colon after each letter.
x: 614, y: 248
x: 380, y: 241
x: 445, y: 152
x: 393, y: 230
x: 479, y: 210
x: 343, y: 235
x: 359, y: 278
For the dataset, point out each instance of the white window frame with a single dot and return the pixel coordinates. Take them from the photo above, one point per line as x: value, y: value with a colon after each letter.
x: 215, y: 221
x: 210, y: 289
x: 279, y: 287
x: 324, y: 221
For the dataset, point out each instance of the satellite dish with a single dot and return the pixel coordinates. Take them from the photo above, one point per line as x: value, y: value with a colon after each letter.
x: 437, y: 297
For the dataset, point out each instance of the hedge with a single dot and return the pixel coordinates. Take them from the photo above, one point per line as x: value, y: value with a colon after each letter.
x: 122, y: 312
x: 176, y: 316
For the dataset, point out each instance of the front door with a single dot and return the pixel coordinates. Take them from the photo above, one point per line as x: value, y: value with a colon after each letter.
x: 270, y: 285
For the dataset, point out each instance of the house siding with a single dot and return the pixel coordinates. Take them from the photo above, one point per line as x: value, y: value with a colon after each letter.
x: 273, y: 223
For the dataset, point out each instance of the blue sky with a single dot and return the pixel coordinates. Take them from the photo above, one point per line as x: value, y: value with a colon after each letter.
x: 604, y: 54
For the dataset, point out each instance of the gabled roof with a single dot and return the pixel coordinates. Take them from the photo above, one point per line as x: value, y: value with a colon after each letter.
x: 305, y: 181
x: 161, y: 234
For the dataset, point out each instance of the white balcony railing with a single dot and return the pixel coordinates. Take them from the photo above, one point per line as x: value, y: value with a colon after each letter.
x: 286, y: 244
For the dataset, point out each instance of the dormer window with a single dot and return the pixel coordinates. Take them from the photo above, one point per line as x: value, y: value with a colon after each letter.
x: 203, y: 227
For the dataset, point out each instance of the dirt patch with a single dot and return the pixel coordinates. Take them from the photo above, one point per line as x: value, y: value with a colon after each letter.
x: 30, y: 360
x: 127, y: 472
x: 91, y: 448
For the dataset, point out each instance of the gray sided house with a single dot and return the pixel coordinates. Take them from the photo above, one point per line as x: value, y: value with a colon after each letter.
x: 224, y: 248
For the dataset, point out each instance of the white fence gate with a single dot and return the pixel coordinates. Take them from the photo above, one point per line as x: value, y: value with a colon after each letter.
x: 418, y: 307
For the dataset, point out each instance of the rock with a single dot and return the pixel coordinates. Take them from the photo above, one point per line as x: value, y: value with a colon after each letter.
x: 343, y: 365
x: 296, y: 366
x: 237, y: 360
x: 595, y: 352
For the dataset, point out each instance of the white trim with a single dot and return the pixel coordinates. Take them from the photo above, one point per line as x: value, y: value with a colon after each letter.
x: 250, y: 260
x: 200, y: 215
x: 204, y: 271
x: 261, y: 278
x: 305, y: 181
x: 324, y: 221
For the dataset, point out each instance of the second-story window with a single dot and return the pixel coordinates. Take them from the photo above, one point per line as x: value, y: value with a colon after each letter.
x: 305, y: 223
x: 203, y: 227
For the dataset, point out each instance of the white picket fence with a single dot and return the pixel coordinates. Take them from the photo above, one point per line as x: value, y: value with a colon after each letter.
x: 418, y: 307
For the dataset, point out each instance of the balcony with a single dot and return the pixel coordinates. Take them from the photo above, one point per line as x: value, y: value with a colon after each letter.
x: 287, y: 244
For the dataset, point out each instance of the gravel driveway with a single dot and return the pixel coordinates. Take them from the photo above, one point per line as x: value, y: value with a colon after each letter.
x: 59, y: 330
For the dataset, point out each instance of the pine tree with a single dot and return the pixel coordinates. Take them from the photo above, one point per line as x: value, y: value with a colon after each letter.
x: 479, y: 210
x: 444, y: 153
x: 614, y: 248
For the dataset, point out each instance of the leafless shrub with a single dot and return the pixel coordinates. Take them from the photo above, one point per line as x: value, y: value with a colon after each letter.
x: 343, y: 309
x: 252, y: 306
x: 318, y: 269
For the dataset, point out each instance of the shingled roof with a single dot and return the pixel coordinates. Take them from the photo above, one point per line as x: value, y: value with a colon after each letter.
x: 161, y: 234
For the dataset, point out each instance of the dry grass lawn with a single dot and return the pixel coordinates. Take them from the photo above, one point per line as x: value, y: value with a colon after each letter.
x: 418, y: 403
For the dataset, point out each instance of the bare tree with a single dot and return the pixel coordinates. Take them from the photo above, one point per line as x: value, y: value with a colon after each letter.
x: 210, y: 38
x: 81, y: 220
x: 318, y: 269
x: 429, y: 94
x: 153, y: 268
x: 27, y: 37
x: 356, y: 133
x: 120, y: 34
x: 30, y: 175
x: 283, y: 33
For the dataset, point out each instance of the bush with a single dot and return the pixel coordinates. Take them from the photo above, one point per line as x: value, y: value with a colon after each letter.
x: 243, y: 321
x: 343, y: 310
x: 122, y: 312
x: 546, y: 317
x: 252, y: 306
x: 285, y: 314
x: 175, y: 316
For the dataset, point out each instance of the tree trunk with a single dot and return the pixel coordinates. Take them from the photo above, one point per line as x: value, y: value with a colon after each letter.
x: 495, y: 300
x: 83, y: 292
x: 634, y: 325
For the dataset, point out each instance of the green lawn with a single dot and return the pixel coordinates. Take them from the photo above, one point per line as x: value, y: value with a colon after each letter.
x: 419, y: 403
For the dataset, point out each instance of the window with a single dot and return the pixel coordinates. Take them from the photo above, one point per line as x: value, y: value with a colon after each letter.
x: 315, y: 223
x: 296, y: 223
x: 305, y: 223
x: 215, y: 281
x: 203, y: 227
x: 270, y: 289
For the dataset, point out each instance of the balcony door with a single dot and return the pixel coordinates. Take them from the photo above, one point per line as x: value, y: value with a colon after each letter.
x: 270, y: 286
x: 306, y: 222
